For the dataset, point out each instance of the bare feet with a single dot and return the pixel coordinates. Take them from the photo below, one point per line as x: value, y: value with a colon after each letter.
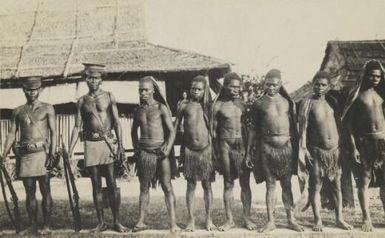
x: 190, y: 226
x: 32, y: 230
x: 367, y: 226
x: 268, y: 227
x: 295, y: 226
x: 318, y: 227
x: 120, y: 228
x: 45, y: 231
x: 100, y: 228
x: 140, y: 227
x: 250, y: 225
x: 175, y: 229
x: 343, y: 225
x: 227, y: 226
x: 210, y: 225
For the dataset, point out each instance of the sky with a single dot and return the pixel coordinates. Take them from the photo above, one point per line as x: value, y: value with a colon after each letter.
x: 257, y: 35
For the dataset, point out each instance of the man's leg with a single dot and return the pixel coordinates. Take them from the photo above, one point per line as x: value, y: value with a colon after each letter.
x: 287, y: 198
x: 96, y: 180
x: 228, y: 183
x: 208, y: 197
x: 114, y: 197
x: 337, y: 195
x: 363, y: 198
x: 270, y: 199
x: 190, y: 196
x: 31, y: 203
x: 382, y: 189
x: 315, y: 195
x: 244, y: 181
x: 144, y: 200
x: 46, y: 204
x: 165, y: 181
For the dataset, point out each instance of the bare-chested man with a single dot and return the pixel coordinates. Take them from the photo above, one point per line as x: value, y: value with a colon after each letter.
x: 320, y: 127
x: 274, y: 125
x: 197, y: 158
x: 97, y: 115
x: 365, y: 115
x: 228, y: 131
x: 153, y: 148
x: 36, y: 123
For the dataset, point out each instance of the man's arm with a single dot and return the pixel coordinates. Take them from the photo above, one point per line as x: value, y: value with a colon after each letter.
x: 214, y: 120
x: 77, y: 128
x: 116, y: 123
x: 251, y: 135
x: 179, y: 118
x: 167, y: 122
x: 10, y: 137
x: 134, y: 131
x: 52, y: 128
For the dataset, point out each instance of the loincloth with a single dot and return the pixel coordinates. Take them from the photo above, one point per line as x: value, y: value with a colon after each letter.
x: 148, y: 166
x: 278, y: 160
x: 198, y: 164
x: 32, y: 165
x: 97, y: 153
x: 236, y: 153
x: 329, y: 161
x: 372, y: 155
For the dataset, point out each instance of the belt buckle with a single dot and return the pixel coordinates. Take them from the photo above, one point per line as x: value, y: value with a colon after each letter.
x: 95, y: 135
x: 31, y: 146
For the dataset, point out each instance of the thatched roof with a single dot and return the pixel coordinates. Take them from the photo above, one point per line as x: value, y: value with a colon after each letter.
x: 51, y: 38
x: 344, y: 60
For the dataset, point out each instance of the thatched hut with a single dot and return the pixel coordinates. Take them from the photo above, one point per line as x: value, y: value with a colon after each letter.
x: 52, y: 38
x: 344, y: 60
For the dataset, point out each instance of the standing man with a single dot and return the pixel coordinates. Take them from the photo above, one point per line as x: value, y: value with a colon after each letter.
x: 197, y: 157
x: 274, y: 125
x: 320, y: 151
x: 35, y: 121
x: 97, y: 115
x: 152, y: 150
x: 364, y: 114
x: 228, y: 132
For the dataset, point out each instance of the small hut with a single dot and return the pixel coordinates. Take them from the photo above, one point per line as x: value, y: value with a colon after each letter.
x: 52, y: 38
x: 344, y: 61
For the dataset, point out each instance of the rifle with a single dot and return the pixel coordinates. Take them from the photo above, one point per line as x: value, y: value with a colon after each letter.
x: 15, y: 217
x: 70, y: 181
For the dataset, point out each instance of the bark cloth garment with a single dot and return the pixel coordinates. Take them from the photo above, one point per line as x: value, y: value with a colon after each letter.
x: 262, y: 149
x: 198, y: 164
x: 329, y: 161
x: 279, y: 160
x: 372, y: 150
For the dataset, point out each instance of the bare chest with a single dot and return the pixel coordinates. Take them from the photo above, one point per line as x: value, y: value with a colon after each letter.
x: 28, y: 116
x: 273, y: 110
x: 231, y: 111
x: 321, y: 112
x: 369, y: 99
x: 99, y: 104
x: 149, y: 115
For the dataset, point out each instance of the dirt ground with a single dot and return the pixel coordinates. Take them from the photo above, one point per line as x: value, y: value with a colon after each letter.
x: 157, y: 213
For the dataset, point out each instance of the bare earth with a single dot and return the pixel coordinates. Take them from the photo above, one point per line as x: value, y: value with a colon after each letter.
x: 157, y: 213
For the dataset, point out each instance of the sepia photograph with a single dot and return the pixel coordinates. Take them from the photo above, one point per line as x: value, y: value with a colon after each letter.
x: 193, y: 118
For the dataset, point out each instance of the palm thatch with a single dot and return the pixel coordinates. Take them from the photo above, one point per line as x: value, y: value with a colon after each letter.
x: 51, y: 38
x: 344, y: 60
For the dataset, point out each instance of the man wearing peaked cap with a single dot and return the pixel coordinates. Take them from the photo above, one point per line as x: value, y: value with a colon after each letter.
x: 97, y: 115
x: 95, y: 70
x: 35, y: 121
